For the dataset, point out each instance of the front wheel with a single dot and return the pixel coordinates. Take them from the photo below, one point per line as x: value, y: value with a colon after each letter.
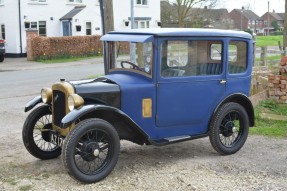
x: 229, y: 128
x: 90, y: 151
x: 36, y: 134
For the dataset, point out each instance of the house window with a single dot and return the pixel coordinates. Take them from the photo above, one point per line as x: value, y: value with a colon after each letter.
x: 265, y: 22
x: 38, y: 1
x: 141, y: 24
x: 34, y: 25
x: 88, y: 28
x: 42, y: 28
x: 75, y: 1
x: 142, y: 2
x: 2, y: 31
x: 1, y: 2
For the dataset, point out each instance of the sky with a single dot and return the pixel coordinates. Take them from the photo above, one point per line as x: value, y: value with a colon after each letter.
x: 257, y: 6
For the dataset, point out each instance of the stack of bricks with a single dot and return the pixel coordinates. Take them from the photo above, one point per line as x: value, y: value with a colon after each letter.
x: 278, y: 83
x: 278, y: 87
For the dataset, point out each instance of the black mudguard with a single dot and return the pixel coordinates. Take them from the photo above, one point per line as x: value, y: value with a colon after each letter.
x: 32, y: 103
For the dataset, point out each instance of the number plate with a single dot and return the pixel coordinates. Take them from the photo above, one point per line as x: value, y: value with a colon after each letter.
x: 57, y: 140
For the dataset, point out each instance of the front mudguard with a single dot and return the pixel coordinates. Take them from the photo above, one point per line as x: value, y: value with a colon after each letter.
x: 32, y: 103
x: 93, y: 110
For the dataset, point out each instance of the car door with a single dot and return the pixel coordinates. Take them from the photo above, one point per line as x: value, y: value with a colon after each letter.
x: 190, y: 84
x: 239, y: 66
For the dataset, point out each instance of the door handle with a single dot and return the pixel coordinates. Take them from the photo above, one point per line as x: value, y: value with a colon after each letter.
x: 223, y: 81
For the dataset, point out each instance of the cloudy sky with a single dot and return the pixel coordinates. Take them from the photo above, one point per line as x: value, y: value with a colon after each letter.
x: 257, y: 6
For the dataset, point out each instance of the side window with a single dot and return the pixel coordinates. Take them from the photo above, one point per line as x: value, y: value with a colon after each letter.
x: 237, y: 57
x: 174, y: 56
x: 191, y: 58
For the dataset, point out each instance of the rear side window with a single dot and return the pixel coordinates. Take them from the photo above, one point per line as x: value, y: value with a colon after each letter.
x: 237, y: 57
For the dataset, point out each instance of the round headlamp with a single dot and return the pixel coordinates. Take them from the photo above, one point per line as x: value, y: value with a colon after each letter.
x: 46, y: 95
x: 75, y: 101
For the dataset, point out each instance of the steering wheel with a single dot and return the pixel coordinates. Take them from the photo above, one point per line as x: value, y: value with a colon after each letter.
x: 130, y: 63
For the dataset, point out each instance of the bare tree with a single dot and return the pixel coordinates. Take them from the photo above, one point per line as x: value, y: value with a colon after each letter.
x: 184, y: 8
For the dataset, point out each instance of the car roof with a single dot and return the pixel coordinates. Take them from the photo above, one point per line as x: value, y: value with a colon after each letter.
x: 185, y: 32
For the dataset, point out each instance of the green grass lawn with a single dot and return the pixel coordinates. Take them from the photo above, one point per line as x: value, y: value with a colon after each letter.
x: 267, y: 127
x: 268, y: 40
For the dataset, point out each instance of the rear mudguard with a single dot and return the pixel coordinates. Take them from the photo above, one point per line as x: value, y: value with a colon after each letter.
x: 32, y: 103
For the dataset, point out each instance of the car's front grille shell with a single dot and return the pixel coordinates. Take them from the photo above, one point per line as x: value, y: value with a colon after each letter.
x: 60, y: 109
x: 59, y: 106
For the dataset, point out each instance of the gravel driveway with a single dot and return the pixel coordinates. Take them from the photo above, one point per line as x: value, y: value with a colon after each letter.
x: 192, y: 165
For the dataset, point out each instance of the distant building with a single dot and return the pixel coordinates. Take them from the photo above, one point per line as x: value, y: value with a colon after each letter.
x: 196, y: 17
x: 210, y: 18
x: 276, y: 22
x: 67, y: 18
x: 246, y: 20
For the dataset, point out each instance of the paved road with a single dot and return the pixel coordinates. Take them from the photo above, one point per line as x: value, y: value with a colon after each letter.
x: 20, y: 83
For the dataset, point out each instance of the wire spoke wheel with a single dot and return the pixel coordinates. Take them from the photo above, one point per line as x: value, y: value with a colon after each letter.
x: 90, y: 151
x: 229, y: 128
x: 36, y: 134
x: 41, y: 134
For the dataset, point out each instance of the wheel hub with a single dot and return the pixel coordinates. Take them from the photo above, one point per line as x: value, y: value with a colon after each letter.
x: 90, y: 150
x: 229, y: 129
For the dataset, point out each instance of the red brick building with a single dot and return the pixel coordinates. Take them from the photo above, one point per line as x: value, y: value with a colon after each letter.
x: 246, y: 19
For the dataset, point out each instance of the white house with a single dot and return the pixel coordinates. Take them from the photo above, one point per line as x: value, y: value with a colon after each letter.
x: 67, y: 18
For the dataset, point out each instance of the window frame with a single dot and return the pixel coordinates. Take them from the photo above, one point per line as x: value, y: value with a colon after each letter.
x: 238, y: 50
x: 75, y: 1
x: 1, y: 30
x: 38, y: 1
x: 86, y: 24
x: 44, y: 35
x: 141, y: 2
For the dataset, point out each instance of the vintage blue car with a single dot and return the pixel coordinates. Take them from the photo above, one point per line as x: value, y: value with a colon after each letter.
x: 161, y: 86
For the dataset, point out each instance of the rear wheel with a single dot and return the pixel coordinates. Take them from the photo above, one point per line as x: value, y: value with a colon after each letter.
x: 90, y: 151
x: 36, y: 135
x: 229, y: 128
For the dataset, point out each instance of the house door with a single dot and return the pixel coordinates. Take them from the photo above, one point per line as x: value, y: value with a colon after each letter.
x: 67, y: 28
x: 190, y: 85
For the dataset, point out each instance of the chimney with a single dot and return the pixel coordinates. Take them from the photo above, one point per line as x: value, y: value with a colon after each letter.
x: 242, y: 7
x: 205, y: 7
x: 273, y: 10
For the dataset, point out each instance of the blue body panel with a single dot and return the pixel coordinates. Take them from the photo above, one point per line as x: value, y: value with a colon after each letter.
x: 181, y: 105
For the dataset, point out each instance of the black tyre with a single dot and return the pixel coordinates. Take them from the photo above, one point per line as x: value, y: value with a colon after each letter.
x: 1, y: 58
x: 90, y: 151
x: 36, y: 135
x: 229, y: 128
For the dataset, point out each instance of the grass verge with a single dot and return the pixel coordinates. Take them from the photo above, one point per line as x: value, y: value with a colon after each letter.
x: 64, y: 59
x: 268, y: 127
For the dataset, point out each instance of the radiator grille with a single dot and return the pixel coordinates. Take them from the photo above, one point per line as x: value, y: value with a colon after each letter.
x: 59, y: 107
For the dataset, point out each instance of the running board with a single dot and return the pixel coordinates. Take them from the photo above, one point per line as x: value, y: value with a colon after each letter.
x: 176, y: 139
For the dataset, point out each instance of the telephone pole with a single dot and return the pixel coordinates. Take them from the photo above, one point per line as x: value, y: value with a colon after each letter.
x: 285, y: 30
x: 107, y: 18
